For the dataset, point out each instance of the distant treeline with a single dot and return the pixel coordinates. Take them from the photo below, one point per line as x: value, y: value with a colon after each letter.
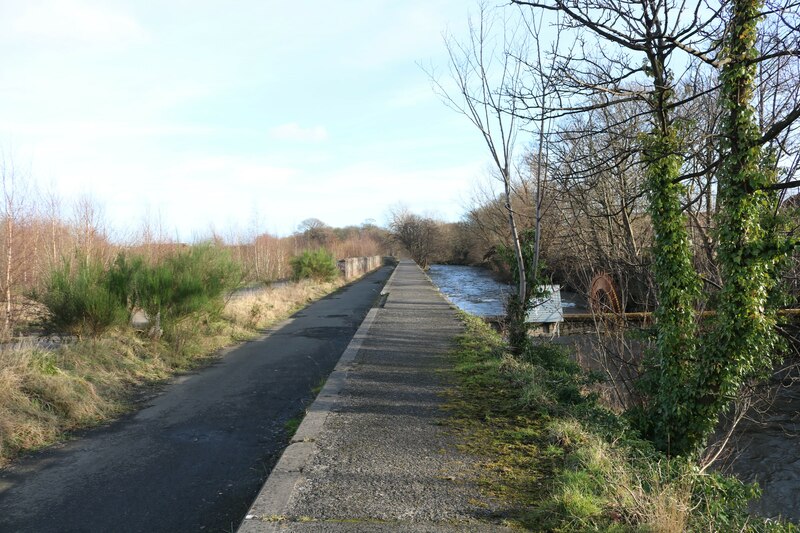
x: 41, y: 233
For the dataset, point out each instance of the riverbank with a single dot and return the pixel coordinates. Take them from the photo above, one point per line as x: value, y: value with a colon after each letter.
x: 46, y: 392
x: 561, y: 462
x: 478, y: 290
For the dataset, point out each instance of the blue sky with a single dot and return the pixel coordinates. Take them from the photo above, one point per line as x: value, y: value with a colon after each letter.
x: 211, y: 114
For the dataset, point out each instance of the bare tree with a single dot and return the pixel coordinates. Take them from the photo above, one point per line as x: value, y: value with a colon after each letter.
x: 89, y: 225
x: 14, y: 208
x: 540, y: 95
x: 488, y: 79
x: 419, y: 235
x: 316, y: 232
x: 600, y: 216
x: 52, y: 208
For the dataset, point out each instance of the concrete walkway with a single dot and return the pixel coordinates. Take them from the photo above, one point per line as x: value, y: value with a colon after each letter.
x: 372, y: 453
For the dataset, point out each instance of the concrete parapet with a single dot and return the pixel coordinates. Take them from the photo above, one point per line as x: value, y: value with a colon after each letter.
x: 355, y: 267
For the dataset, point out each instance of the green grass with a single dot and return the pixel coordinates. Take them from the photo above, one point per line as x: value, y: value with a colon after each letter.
x: 291, y: 425
x: 558, y: 461
x: 316, y: 389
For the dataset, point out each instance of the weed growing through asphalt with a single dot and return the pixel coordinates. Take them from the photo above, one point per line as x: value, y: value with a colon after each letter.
x: 291, y: 425
x: 316, y: 389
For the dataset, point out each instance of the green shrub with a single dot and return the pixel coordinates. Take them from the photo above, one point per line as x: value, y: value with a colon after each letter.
x: 317, y: 264
x: 120, y: 278
x: 89, y: 298
x: 80, y: 301
x: 193, y: 281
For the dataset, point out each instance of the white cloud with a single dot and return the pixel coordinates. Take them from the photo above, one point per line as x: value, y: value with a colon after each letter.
x: 294, y: 132
x: 74, y: 20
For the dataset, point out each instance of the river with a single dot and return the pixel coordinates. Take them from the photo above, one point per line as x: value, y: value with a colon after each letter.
x: 476, y: 290
x: 767, y: 452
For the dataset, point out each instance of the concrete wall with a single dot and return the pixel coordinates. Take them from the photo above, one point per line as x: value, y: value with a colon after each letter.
x: 355, y: 267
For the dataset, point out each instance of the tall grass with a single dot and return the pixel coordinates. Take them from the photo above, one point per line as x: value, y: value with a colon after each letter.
x: 561, y: 462
x: 42, y: 396
x: 45, y: 392
x: 264, y: 306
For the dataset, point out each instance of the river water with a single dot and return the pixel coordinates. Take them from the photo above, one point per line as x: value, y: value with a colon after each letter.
x: 476, y: 290
x: 767, y: 452
x: 471, y: 289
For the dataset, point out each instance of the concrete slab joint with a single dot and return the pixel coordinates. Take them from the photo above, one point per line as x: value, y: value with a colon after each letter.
x: 372, y: 454
x: 273, y: 498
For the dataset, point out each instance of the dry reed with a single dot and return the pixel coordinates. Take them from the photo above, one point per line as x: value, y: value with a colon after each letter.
x: 261, y: 307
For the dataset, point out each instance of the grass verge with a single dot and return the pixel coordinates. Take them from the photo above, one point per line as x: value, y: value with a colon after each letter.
x: 558, y: 461
x: 46, y: 393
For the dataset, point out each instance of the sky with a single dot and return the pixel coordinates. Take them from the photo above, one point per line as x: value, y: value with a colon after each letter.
x: 236, y: 115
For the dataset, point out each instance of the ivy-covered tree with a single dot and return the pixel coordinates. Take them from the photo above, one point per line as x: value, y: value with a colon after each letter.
x: 691, y: 377
x: 647, y: 42
x: 742, y: 342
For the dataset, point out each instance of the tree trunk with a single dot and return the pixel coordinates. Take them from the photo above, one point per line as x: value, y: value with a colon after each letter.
x: 749, y: 249
x: 9, y: 262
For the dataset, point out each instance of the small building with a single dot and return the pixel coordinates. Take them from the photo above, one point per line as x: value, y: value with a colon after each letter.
x: 546, y: 313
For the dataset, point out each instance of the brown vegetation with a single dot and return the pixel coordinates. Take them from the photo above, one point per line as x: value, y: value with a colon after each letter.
x: 40, y: 231
x: 47, y: 389
x: 49, y: 386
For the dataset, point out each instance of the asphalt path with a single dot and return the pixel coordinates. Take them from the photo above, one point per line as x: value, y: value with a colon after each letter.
x: 194, y: 458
